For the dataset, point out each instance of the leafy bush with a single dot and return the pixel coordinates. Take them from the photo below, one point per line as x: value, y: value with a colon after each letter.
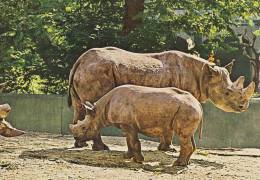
x: 41, y: 39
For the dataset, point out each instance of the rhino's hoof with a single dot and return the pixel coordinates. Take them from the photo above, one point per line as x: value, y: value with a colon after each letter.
x: 180, y: 163
x: 80, y: 144
x: 128, y: 155
x: 166, y: 148
x: 138, y: 158
x: 100, y: 147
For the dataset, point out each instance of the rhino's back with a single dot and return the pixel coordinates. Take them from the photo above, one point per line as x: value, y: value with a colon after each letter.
x: 101, y: 69
x: 145, y: 105
x: 130, y: 60
x: 121, y: 58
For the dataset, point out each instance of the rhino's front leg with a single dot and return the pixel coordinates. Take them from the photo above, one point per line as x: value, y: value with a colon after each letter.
x: 130, y: 152
x: 166, y: 141
x: 133, y: 144
x: 98, y: 144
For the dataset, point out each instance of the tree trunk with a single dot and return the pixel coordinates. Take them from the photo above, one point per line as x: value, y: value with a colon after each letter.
x: 133, y: 14
x: 257, y: 69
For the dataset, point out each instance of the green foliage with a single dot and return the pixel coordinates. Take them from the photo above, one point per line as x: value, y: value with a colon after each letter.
x: 41, y: 39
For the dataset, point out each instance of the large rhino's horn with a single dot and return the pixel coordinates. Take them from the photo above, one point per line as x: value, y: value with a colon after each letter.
x: 239, y: 83
x: 249, y: 90
x: 7, y: 130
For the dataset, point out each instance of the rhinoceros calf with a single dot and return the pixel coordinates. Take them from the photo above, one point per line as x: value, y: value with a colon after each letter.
x: 99, y: 70
x: 155, y: 112
x: 6, y: 128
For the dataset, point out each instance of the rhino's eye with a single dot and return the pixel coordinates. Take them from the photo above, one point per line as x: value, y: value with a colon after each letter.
x: 227, y: 93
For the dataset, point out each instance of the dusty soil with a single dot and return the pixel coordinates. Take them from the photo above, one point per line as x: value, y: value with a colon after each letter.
x: 46, y: 156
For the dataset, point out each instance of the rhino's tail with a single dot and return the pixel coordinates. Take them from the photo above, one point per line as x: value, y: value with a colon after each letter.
x: 201, y: 126
x: 72, y: 93
x: 200, y: 131
x: 69, y: 101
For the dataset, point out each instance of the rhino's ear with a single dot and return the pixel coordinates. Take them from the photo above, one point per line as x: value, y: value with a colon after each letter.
x: 213, y: 71
x: 90, y: 108
x: 213, y: 74
x: 239, y: 83
x: 229, y: 66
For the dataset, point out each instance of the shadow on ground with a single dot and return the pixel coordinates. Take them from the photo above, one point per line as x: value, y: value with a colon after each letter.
x: 155, y: 161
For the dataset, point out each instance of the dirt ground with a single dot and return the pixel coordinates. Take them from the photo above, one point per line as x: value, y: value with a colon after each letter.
x: 46, y: 156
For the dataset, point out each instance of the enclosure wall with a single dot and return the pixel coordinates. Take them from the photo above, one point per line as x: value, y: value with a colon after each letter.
x: 50, y: 113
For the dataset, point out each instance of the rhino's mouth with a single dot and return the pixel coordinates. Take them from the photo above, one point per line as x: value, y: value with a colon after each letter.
x: 231, y: 107
x: 238, y: 108
x: 3, y: 116
x: 79, y: 143
x: 81, y: 139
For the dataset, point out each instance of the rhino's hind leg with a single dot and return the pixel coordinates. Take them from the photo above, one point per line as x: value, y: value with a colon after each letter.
x: 193, y: 149
x: 166, y: 142
x: 133, y: 144
x: 185, y: 152
x: 98, y: 144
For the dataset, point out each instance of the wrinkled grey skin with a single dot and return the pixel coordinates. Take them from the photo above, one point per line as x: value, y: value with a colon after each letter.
x: 155, y: 112
x: 99, y: 70
x: 6, y: 128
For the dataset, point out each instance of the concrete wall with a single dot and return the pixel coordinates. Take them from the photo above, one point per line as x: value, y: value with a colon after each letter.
x: 50, y: 113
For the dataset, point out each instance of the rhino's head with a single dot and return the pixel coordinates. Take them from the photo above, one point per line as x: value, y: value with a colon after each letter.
x: 85, y: 130
x: 225, y: 94
x: 7, y: 130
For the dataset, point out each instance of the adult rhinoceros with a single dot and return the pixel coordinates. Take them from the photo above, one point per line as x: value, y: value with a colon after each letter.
x: 99, y: 70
